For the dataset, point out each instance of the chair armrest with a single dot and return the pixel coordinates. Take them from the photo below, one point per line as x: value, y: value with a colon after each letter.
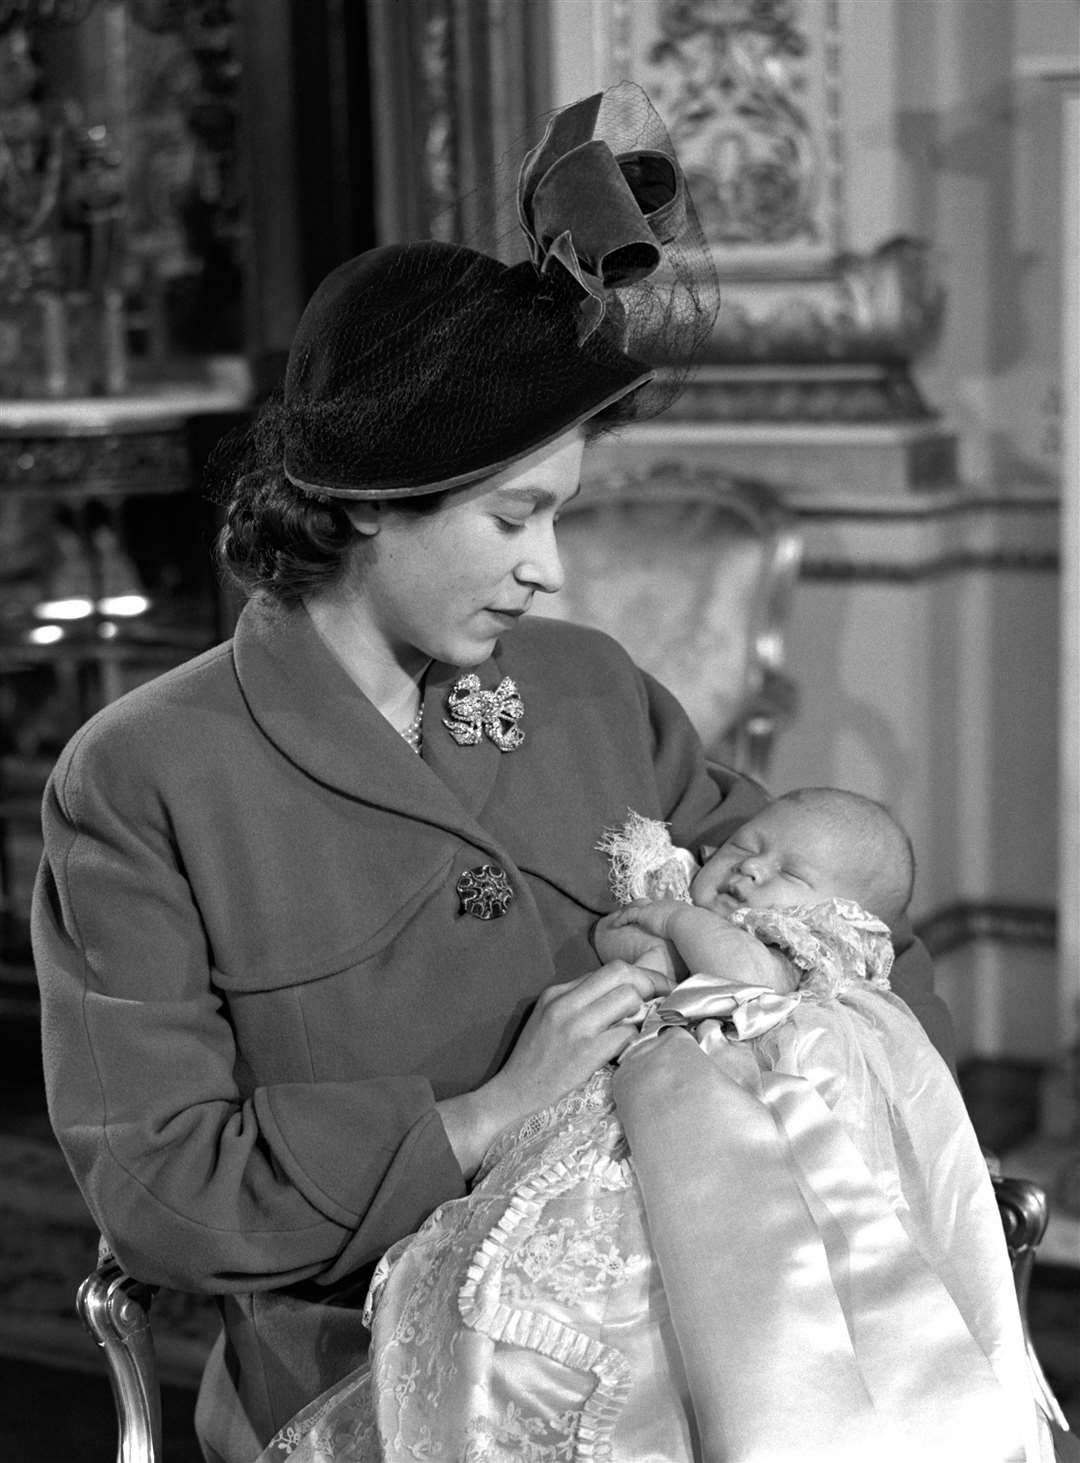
x: 115, y: 1308
x: 1024, y: 1214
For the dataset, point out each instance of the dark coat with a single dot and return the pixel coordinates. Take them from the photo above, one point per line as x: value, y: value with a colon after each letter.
x: 257, y: 979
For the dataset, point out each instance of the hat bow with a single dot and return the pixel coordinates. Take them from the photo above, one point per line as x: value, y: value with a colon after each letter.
x: 600, y: 216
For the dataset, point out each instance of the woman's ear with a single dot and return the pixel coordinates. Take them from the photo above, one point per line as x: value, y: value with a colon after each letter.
x: 365, y: 516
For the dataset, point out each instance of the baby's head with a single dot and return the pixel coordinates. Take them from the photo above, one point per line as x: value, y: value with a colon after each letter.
x: 813, y: 844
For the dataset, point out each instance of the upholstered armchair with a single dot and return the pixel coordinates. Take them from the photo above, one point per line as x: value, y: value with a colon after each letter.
x: 693, y: 572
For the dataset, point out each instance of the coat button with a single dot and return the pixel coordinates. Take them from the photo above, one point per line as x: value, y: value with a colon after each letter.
x: 485, y: 892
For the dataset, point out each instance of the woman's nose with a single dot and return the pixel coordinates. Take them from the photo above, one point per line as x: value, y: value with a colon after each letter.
x: 543, y: 569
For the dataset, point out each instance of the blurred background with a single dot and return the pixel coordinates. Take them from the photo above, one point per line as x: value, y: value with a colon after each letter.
x: 883, y: 433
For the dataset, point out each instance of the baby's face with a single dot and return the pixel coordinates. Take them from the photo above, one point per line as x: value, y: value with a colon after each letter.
x: 783, y: 856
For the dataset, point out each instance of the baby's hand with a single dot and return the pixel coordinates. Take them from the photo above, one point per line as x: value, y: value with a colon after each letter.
x: 653, y: 916
x: 616, y: 938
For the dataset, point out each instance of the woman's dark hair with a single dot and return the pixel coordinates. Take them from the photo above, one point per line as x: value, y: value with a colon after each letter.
x: 277, y: 540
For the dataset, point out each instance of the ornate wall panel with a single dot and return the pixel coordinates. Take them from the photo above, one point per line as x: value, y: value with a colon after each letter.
x: 753, y: 92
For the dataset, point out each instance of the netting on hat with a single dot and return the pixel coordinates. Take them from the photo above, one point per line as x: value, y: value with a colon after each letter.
x: 663, y: 316
x: 448, y: 364
x: 432, y: 364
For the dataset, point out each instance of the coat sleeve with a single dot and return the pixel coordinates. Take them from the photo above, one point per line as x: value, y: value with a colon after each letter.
x: 196, y: 1182
x: 912, y: 979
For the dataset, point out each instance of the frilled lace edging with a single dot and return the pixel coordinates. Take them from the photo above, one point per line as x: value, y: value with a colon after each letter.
x: 644, y: 863
x: 594, y: 1096
x: 484, y: 1310
x: 835, y: 944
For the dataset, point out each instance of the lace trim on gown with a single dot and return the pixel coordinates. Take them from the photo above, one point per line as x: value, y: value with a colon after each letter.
x: 529, y: 1263
x: 483, y: 1307
x: 835, y: 944
x: 593, y: 1096
x: 481, y: 1300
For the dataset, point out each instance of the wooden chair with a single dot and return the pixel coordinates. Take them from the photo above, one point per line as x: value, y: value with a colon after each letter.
x: 1024, y: 1214
x: 692, y: 570
x: 115, y: 1308
x: 116, y: 1311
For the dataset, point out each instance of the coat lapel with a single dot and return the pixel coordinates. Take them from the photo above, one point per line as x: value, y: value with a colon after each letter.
x: 307, y: 705
x: 587, y: 759
x: 305, y: 702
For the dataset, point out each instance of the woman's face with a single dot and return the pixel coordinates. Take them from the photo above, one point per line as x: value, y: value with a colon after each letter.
x: 446, y: 585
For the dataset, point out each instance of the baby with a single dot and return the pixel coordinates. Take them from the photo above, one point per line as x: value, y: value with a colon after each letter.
x: 767, y: 1235
x: 816, y: 849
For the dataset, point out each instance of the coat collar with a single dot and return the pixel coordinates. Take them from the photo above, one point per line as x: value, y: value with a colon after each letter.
x: 306, y: 703
x: 309, y: 707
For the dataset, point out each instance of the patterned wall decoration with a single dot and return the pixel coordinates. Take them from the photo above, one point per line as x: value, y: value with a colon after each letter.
x: 753, y: 92
x: 741, y: 85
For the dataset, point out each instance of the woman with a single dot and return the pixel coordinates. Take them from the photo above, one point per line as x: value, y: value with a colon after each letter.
x: 294, y: 975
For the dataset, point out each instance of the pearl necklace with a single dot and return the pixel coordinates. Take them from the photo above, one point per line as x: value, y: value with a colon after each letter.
x: 414, y: 732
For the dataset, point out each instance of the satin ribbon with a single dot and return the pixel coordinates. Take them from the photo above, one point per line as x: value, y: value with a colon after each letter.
x: 719, y: 1009
x: 811, y: 1326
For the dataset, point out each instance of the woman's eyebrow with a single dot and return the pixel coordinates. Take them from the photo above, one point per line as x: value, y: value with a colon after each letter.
x: 535, y: 497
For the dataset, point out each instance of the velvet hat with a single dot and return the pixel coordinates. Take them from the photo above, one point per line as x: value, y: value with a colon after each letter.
x: 422, y: 366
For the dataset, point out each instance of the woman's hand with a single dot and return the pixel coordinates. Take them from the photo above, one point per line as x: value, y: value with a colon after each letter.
x: 573, y: 1030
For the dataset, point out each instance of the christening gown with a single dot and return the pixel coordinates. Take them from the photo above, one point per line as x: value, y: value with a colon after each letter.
x: 767, y: 1236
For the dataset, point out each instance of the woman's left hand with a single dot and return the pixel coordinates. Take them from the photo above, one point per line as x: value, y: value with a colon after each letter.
x: 574, y: 1029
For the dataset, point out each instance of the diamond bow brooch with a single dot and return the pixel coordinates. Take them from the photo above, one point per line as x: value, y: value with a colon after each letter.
x: 475, y: 713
